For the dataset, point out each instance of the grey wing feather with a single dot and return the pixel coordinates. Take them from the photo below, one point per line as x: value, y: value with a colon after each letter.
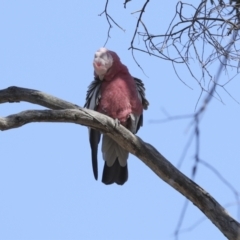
x: 94, y: 138
x: 93, y: 94
x: 137, y: 121
x: 92, y: 99
x: 141, y: 93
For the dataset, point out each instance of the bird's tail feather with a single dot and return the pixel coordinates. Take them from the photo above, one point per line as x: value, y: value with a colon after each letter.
x: 112, y: 151
x: 115, y: 174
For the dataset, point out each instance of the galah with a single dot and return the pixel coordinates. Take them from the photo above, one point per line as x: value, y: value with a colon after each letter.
x: 115, y: 93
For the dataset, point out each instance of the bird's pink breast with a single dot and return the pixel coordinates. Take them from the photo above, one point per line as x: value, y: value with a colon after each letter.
x: 119, y: 98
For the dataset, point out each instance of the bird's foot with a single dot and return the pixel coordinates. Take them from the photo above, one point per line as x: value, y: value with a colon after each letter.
x: 117, y: 123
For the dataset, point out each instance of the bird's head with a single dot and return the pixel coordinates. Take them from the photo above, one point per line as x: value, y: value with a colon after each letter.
x: 102, y: 62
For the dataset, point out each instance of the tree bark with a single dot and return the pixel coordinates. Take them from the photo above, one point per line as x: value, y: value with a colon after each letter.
x: 67, y: 112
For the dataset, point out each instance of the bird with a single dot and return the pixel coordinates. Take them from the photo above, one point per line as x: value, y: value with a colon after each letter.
x: 115, y: 93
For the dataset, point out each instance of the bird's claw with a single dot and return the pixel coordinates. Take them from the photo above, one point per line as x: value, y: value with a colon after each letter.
x: 117, y: 123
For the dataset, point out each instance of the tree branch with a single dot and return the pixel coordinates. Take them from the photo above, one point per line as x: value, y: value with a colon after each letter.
x: 135, y: 145
x: 17, y: 94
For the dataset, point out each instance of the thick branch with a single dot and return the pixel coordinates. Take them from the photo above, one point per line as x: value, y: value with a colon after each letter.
x: 17, y: 94
x: 144, y: 151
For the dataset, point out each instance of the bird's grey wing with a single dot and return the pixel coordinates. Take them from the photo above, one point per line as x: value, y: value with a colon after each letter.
x: 141, y: 93
x: 92, y: 99
x: 137, y: 121
x: 93, y: 94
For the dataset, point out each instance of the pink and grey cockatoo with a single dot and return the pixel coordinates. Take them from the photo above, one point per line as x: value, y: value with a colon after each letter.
x: 115, y: 93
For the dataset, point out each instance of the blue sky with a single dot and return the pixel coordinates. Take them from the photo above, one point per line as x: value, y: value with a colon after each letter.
x: 47, y: 189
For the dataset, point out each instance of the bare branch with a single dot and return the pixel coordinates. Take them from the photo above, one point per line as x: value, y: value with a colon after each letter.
x: 17, y: 94
x: 125, y: 3
x: 144, y: 151
x: 135, y: 32
x: 197, y: 118
x: 201, y: 37
x: 109, y: 20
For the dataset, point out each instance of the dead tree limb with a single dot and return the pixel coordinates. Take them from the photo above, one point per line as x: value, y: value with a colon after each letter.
x: 70, y: 113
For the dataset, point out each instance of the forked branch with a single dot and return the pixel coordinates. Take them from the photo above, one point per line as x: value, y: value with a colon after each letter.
x: 135, y: 145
